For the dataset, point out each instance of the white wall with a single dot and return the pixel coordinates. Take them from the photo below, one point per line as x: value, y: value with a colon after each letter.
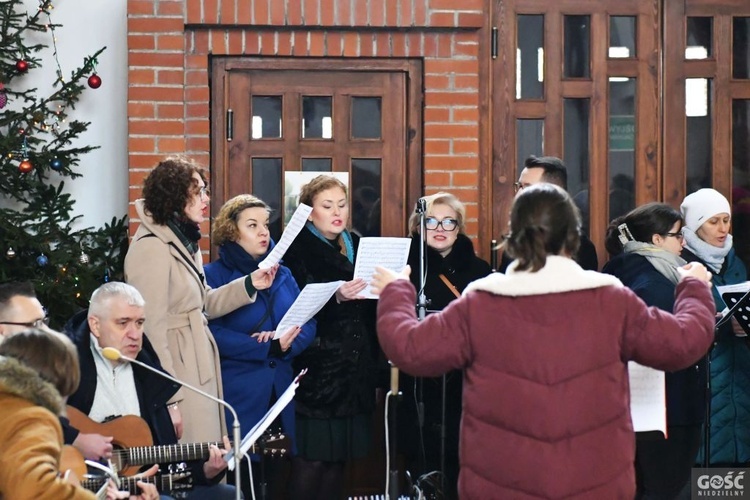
x: 102, y: 192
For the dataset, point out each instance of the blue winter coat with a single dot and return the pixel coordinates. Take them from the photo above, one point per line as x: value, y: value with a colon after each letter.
x: 250, y: 370
x: 686, y: 394
x: 730, y: 377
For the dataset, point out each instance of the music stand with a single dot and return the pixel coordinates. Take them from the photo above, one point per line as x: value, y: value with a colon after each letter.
x: 739, y: 308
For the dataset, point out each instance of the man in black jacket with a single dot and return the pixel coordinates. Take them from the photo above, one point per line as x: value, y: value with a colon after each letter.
x: 552, y: 169
x: 112, y: 388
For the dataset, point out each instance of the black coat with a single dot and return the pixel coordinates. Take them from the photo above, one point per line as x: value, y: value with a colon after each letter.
x: 342, y: 360
x: 461, y: 266
x: 153, y: 391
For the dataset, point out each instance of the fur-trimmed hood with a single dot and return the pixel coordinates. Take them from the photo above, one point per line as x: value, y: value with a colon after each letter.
x: 19, y: 380
x: 560, y: 274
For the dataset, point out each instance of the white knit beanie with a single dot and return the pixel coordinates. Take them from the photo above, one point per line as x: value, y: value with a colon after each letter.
x: 701, y: 205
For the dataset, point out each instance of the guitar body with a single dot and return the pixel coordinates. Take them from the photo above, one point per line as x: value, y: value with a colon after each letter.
x: 72, y: 464
x: 127, y: 431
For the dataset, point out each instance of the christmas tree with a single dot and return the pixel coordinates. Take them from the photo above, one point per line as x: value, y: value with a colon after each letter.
x: 39, y: 238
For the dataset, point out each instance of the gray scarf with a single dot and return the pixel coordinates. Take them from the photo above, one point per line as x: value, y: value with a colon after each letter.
x: 712, y: 256
x: 663, y: 261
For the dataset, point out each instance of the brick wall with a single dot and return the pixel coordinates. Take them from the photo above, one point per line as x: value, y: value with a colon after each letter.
x: 169, y: 42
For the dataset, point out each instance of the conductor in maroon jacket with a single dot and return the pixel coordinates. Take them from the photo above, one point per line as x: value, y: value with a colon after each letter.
x: 544, y: 349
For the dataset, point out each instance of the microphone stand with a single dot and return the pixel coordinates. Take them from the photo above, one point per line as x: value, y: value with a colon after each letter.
x: 421, y: 209
x: 115, y: 355
x: 707, y: 426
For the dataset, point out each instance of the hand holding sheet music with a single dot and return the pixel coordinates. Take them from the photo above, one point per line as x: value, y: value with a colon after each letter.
x: 391, y: 253
x: 287, y: 237
x: 311, y: 300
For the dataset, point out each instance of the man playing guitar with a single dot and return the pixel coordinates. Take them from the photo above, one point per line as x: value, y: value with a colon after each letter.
x: 112, y: 388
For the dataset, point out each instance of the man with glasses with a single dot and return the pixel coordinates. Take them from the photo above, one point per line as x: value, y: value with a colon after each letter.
x: 552, y: 170
x: 19, y: 308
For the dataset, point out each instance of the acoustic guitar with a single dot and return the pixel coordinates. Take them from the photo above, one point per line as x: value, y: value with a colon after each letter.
x: 133, y: 444
x: 181, y: 481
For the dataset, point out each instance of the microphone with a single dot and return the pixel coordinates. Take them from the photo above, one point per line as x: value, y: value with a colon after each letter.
x: 115, y: 355
x: 421, y: 206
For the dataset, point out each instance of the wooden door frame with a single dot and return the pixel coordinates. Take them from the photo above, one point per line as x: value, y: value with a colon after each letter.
x: 505, y: 107
x: 219, y: 92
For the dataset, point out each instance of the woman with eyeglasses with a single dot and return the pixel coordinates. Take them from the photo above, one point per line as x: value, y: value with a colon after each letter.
x: 646, y: 245
x: 450, y: 265
x: 708, y: 218
x: 164, y: 262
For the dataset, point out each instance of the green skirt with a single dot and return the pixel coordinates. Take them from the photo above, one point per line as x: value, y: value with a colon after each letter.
x: 334, y: 439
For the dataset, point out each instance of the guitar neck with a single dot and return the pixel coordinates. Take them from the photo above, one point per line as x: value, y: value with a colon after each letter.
x: 163, y: 482
x: 168, y: 453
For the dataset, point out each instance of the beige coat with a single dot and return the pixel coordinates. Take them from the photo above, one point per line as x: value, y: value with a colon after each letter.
x: 178, y: 303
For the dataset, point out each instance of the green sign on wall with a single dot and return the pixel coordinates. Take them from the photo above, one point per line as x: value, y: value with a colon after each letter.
x: 622, y: 133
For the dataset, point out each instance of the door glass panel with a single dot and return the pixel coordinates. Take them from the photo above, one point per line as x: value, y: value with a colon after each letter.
x: 317, y: 114
x: 316, y: 164
x: 699, y: 146
x: 366, y: 117
x: 622, y: 36
x: 366, y: 193
x: 577, y: 46
x: 621, y: 153
x: 741, y: 47
x: 576, y: 146
x: 529, y: 139
x: 530, y: 57
x: 699, y: 38
x: 741, y: 178
x: 266, y: 113
x: 267, y: 186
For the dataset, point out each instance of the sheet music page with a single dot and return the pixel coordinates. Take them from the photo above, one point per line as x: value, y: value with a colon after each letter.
x: 648, y: 398
x: 291, y: 231
x: 738, y: 288
x: 311, y: 300
x: 259, y: 428
x: 391, y: 253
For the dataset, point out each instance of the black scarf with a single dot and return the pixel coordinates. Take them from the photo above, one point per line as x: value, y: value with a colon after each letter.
x: 187, y: 231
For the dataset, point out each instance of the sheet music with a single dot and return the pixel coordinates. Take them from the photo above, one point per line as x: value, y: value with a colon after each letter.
x: 259, y: 428
x: 291, y: 231
x: 391, y: 253
x: 648, y: 398
x: 311, y: 300
x: 738, y: 288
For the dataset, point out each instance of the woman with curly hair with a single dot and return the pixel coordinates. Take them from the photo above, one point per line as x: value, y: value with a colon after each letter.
x: 164, y: 263
x: 255, y: 369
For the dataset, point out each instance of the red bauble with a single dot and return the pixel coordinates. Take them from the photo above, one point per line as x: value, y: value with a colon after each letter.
x: 22, y: 66
x: 26, y: 166
x: 95, y: 81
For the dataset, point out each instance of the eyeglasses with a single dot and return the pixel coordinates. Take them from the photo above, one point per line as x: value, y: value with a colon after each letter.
x: 677, y: 235
x: 203, y: 192
x: 37, y: 323
x: 517, y: 186
x: 447, y: 224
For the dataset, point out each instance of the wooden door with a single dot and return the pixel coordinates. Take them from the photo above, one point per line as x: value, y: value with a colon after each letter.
x: 645, y: 100
x: 274, y: 116
x: 579, y: 79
